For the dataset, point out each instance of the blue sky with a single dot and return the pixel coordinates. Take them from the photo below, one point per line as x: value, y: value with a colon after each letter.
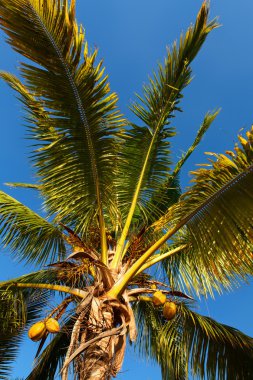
x: 132, y: 36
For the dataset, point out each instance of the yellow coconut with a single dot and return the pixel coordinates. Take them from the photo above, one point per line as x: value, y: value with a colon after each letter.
x: 169, y: 310
x: 37, y: 331
x: 153, y: 286
x: 158, y: 298
x: 52, y: 325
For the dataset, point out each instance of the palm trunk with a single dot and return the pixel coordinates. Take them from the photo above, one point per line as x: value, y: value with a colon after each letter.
x: 101, y: 344
x: 97, y: 362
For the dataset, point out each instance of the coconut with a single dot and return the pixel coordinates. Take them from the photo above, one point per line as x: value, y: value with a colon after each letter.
x: 158, y: 298
x: 37, y: 331
x: 52, y: 325
x: 169, y: 310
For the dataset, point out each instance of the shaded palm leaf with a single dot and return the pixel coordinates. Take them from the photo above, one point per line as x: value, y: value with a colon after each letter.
x: 193, y: 344
x: 150, y: 324
x: 80, y: 113
x: 212, y: 350
x: 28, y: 235
x: 18, y: 309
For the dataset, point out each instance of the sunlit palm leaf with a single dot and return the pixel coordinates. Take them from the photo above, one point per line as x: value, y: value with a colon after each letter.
x: 192, y: 272
x: 146, y: 152
x: 168, y: 193
x: 218, y: 212
x: 76, y: 167
x: 23, y: 185
x: 149, y: 145
x: 28, y: 235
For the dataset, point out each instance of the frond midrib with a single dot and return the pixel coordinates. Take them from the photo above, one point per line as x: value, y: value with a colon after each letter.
x: 218, y: 193
x: 74, y: 88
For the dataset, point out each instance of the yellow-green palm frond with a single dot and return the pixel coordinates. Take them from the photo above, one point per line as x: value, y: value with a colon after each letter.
x: 72, y: 113
x: 162, y: 95
x: 218, y: 213
x: 192, y: 344
x: 23, y: 185
x: 146, y: 152
x: 200, y: 275
x: 29, y: 236
x: 168, y: 193
x: 146, y: 149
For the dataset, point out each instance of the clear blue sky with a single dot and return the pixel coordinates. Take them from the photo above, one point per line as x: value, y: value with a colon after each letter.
x: 131, y: 36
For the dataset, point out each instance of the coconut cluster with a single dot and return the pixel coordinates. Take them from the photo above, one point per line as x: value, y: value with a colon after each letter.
x: 169, y: 307
x: 39, y: 329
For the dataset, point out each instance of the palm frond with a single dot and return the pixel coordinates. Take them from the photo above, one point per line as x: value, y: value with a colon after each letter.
x: 150, y: 323
x: 211, y: 350
x: 23, y: 185
x: 192, y: 344
x: 18, y: 309
x: 29, y: 236
x: 76, y: 134
x: 146, y: 152
x: 208, y: 120
x: 168, y: 193
x: 218, y: 213
x: 194, y: 273
x: 149, y: 145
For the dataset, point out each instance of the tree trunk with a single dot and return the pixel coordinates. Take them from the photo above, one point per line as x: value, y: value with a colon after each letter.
x: 97, y: 361
x: 103, y: 358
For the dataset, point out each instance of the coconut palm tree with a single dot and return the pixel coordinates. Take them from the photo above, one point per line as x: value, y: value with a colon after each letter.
x: 122, y: 254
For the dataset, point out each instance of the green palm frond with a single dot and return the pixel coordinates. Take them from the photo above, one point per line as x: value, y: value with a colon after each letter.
x: 146, y: 153
x: 29, y: 236
x: 192, y: 344
x: 150, y: 323
x: 18, y: 309
x: 22, y: 185
x: 77, y: 132
x: 147, y: 147
x: 211, y: 350
x: 60, y: 279
x: 208, y: 120
x: 218, y: 213
x: 193, y: 272
x: 168, y: 193
x: 47, y: 276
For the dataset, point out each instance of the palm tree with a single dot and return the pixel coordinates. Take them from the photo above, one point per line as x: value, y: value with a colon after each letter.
x: 122, y: 253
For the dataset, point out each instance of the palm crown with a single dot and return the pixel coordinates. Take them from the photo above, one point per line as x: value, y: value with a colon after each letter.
x: 115, y: 209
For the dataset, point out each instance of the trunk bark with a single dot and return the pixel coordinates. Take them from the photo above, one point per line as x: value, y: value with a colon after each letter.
x: 97, y: 361
x: 102, y: 359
